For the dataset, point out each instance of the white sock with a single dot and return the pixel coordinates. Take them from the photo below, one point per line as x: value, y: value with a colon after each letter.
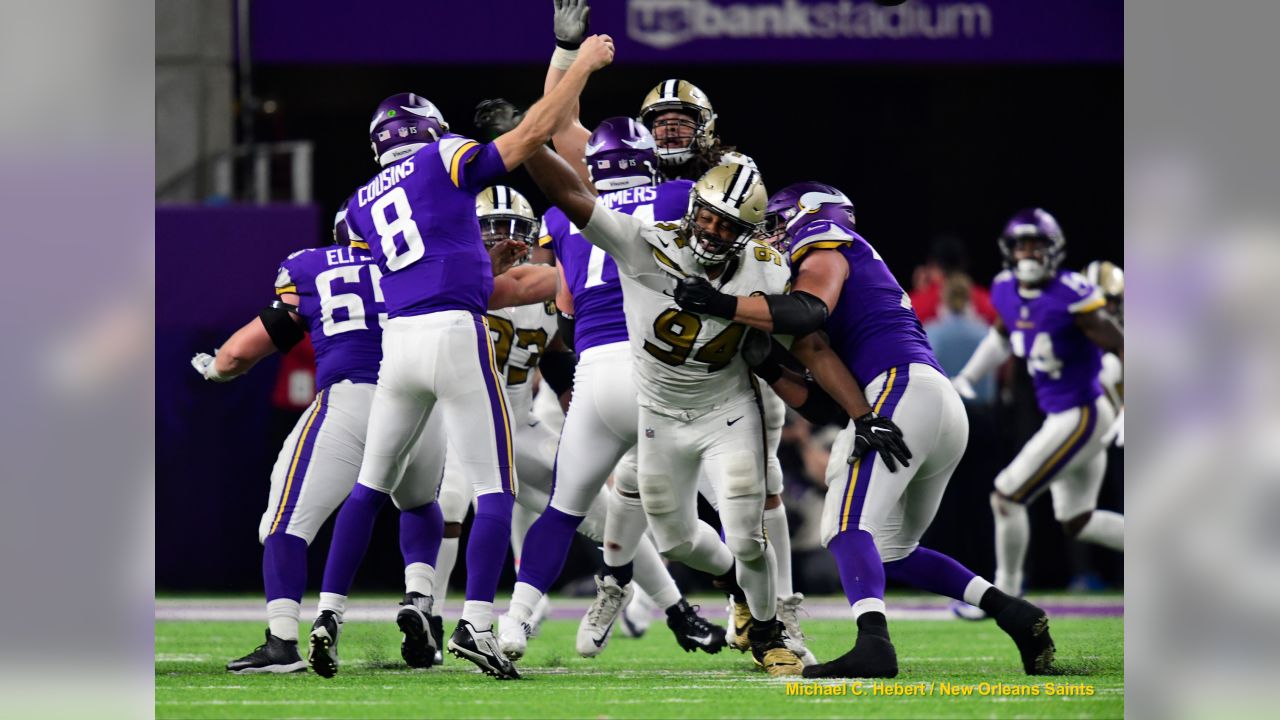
x: 479, y: 613
x: 333, y: 601
x: 779, y: 534
x: 625, y: 523
x: 521, y: 520
x: 1104, y: 528
x: 523, y: 599
x: 651, y: 575
x: 974, y: 591
x: 419, y: 578
x: 756, y: 577
x: 444, y: 568
x: 866, y: 605
x: 282, y: 618
x: 1013, y: 534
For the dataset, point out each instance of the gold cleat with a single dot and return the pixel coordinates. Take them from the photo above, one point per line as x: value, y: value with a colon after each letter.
x: 779, y: 662
x: 741, y: 626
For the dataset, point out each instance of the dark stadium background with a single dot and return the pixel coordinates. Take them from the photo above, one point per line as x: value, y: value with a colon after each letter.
x: 923, y: 149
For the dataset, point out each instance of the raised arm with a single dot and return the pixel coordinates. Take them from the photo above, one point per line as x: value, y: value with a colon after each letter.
x: 562, y: 186
x: 555, y: 109
x: 571, y: 22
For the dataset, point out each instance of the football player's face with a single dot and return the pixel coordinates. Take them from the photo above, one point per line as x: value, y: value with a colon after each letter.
x: 673, y: 130
x: 714, y: 227
x: 1031, y: 248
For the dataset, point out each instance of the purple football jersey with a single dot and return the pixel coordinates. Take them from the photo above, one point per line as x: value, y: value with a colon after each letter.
x: 419, y: 218
x: 1064, y: 364
x: 873, y: 327
x: 590, y: 273
x: 340, y: 301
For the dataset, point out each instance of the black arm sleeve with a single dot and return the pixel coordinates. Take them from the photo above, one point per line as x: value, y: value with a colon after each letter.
x: 820, y: 408
x: 565, y: 324
x: 796, y: 314
x: 285, y: 332
x: 557, y: 369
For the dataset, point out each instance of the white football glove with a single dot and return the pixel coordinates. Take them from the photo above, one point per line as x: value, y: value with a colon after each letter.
x: 964, y: 387
x: 1115, y: 432
x: 203, y: 363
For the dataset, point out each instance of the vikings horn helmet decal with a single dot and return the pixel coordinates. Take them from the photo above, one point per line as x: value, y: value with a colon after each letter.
x: 402, y: 125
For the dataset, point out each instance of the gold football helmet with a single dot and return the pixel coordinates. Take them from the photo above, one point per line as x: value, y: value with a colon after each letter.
x: 505, y: 213
x: 681, y: 96
x: 735, y: 197
x: 1109, y: 278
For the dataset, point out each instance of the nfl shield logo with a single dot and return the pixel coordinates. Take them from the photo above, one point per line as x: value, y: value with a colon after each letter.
x: 648, y: 432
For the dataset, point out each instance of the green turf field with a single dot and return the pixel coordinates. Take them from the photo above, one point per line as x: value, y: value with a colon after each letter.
x: 648, y: 677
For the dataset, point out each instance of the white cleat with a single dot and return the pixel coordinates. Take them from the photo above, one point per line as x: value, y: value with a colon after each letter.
x: 789, y: 613
x: 637, y: 616
x: 540, y: 612
x: 513, y: 636
x: 593, y: 631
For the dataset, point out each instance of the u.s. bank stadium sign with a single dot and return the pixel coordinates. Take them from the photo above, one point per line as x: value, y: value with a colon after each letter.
x: 664, y: 24
x: 699, y: 31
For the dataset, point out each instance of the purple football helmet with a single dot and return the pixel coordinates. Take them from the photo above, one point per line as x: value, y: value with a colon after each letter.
x: 1037, y: 224
x: 342, y: 234
x: 799, y: 204
x: 621, y: 154
x: 402, y: 125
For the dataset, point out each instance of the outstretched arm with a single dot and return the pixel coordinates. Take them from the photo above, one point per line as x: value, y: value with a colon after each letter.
x: 571, y: 21
x: 815, y: 294
x: 245, y: 348
x: 524, y: 285
x: 554, y: 110
x: 561, y: 185
x: 1103, y: 331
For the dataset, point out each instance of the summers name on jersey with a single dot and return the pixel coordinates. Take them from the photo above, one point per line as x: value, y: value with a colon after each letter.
x: 684, y: 361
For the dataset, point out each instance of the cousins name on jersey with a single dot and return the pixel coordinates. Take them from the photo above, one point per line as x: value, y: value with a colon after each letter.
x: 384, y: 181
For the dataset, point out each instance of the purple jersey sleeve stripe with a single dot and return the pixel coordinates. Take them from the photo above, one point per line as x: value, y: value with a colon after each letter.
x: 497, y: 404
x: 799, y: 252
x: 301, y: 462
x: 1059, y: 459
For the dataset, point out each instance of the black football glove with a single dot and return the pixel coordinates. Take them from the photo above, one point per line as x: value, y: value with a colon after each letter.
x: 496, y: 117
x: 695, y: 294
x: 571, y: 20
x: 873, y: 433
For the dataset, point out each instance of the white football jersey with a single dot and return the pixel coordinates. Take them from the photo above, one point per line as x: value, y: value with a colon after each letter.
x: 520, y: 336
x: 685, y: 364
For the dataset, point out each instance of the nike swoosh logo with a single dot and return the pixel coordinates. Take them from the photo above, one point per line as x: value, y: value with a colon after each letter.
x: 704, y: 640
x: 878, y: 429
x: 600, y: 640
x: 731, y: 422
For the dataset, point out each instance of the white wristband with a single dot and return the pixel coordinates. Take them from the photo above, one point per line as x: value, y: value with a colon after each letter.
x: 562, y: 59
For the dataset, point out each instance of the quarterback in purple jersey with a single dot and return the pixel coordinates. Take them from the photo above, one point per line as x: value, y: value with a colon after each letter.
x: 904, y: 412
x: 1058, y: 321
x: 332, y: 294
x: 419, y: 216
x: 600, y: 425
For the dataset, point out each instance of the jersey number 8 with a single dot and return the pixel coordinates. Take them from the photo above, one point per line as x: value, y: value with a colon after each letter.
x: 402, y: 225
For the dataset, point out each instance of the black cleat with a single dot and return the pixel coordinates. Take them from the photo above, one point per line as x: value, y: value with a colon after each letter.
x: 693, y: 632
x: 481, y: 647
x: 769, y: 648
x: 323, y: 656
x: 872, y: 656
x: 273, y: 656
x: 1028, y: 625
x: 437, y: 633
x: 419, y: 647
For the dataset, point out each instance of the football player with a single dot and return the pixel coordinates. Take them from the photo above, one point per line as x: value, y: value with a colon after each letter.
x: 681, y: 118
x: 600, y: 425
x: 698, y: 404
x: 332, y: 294
x: 1058, y: 321
x: 437, y: 347
x: 904, y: 412
x: 1109, y: 278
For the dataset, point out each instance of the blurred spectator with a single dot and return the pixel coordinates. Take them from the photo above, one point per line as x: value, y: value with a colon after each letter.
x: 294, y: 390
x: 947, y: 256
x: 957, y: 330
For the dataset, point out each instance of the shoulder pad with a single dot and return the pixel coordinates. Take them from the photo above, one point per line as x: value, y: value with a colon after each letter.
x: 821, y: 235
